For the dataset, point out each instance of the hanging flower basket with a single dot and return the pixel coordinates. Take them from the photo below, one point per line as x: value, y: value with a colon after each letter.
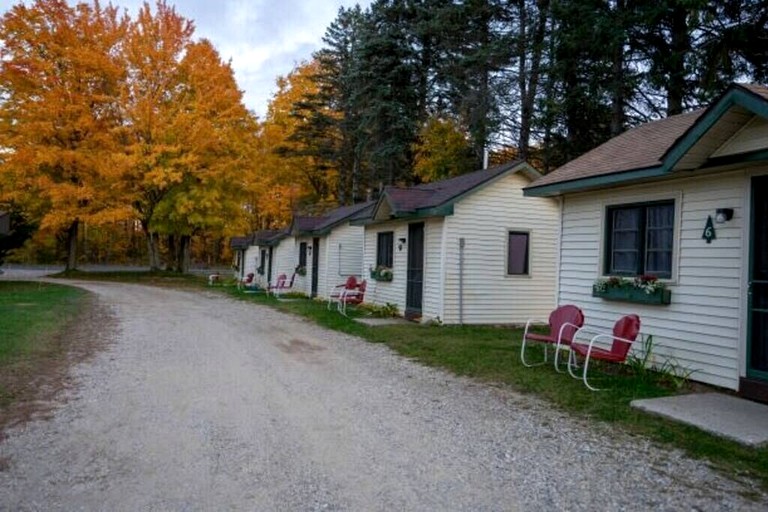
x: 641, y: 290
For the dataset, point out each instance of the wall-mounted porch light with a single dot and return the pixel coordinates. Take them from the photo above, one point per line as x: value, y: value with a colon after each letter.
x: 723, y: 215
x: 400, y: 243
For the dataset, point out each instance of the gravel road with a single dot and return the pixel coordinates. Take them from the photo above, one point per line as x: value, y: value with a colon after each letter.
x: 201, y: 402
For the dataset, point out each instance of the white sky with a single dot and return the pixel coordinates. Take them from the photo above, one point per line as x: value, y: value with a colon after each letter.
x: 263, y: 39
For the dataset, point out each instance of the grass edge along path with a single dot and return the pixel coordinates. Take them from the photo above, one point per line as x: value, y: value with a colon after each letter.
x: 32, y: 317
x: 491, y: 354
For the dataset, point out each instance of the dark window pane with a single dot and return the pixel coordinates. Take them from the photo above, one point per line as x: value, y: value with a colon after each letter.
x: 517, y: 253
x: 626, y: 218
x: 384, y: 249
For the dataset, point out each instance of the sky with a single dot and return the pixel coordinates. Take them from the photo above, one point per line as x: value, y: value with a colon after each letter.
x: 263, y: 39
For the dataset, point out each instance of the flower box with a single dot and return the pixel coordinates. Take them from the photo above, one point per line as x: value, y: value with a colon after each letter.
x: 381, y: 275
x: 633, y: 294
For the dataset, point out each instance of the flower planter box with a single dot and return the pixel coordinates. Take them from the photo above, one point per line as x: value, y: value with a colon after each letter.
x: 377, y: 276
x: 632, y: 294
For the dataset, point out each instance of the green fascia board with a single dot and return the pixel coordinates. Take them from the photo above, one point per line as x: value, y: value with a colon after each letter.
x: 605, y: 180
x: 760, y: 155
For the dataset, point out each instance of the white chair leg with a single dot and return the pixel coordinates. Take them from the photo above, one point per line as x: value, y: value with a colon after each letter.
x: 586, y: 365
x: 572, y: 364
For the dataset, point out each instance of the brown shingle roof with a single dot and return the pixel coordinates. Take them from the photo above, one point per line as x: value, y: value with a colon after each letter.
x: 638, y: 148
x: 315, y: 225
x: 430, y: 195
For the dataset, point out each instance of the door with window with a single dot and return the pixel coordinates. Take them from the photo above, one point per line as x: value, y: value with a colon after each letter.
x: 757, y: 291
x: 415, y: 275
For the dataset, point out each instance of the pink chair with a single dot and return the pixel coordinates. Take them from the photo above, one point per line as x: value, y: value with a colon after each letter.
x: 625, y: 332
x: 564, y: 322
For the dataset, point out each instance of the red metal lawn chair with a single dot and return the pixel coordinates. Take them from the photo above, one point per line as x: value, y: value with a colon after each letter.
x: 625, y: 332
x: 246, y: 282
x: 354, y: 296
x: 564, y: 322
x: 338, y: 290
x: 279, y: 285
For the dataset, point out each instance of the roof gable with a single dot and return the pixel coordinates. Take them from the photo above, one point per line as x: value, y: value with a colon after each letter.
x: 321, y: 225
x: 437, y: 198
x: 656, y: 149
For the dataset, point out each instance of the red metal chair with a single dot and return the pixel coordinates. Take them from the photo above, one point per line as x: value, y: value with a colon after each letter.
x: 338, y: 290
x: 625, y: 332
x: 246, y: 282
x: 564, y: 322
x: 354, y: 296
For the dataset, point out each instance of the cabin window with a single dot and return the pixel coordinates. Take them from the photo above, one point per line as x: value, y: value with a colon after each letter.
x: 640, y: 238
x: 303, y: 254
x: 517, y: 253
x: 384, y: 249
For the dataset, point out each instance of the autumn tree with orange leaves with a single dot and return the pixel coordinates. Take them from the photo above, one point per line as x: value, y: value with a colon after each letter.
x: 287, y: 175
x: 60, y: 81
x: 107, y: 119
x: 189, y: 136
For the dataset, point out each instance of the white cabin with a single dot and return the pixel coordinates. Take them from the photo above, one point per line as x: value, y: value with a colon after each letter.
x: 684, y: 199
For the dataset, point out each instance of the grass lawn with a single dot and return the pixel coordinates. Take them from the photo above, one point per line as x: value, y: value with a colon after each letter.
x: 31, y: 317
x: 157, y: 278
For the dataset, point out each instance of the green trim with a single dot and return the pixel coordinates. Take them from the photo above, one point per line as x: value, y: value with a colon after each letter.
x: 605, y: 180
x: 759, y: 155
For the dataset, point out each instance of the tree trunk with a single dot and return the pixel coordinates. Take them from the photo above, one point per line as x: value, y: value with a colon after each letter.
x: 153, y: 249
x: 173, y: 254
x: 677, y: 88
x: 618, y: 97
x: 529, y: 78
x: 183, y: 248
x: 72, y: 233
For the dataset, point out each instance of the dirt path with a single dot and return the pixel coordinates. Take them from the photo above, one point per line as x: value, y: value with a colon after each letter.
x: 199, y: 402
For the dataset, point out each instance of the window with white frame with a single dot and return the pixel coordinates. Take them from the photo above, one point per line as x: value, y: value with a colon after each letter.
x: 640, y: 239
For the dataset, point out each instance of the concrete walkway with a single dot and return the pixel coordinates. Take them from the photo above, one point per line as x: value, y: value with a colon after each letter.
x: 727, y: 416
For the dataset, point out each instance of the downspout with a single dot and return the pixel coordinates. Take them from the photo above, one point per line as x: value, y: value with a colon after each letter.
x: 461, y: 280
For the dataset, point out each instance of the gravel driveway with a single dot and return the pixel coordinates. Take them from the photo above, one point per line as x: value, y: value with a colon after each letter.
x: 200, y: 402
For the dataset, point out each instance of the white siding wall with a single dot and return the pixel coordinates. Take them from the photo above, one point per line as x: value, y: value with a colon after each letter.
x: 432, y: 301
x: 483, y: 219
x: 344, y: 253
x: 393, y: 292
x: 286, y: 257
x: 702, y: 330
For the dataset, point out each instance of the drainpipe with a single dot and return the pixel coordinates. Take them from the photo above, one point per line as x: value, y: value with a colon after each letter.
x: 461, y: 281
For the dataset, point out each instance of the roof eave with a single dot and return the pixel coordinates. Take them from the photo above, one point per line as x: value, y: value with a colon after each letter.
x: 602, y: 181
